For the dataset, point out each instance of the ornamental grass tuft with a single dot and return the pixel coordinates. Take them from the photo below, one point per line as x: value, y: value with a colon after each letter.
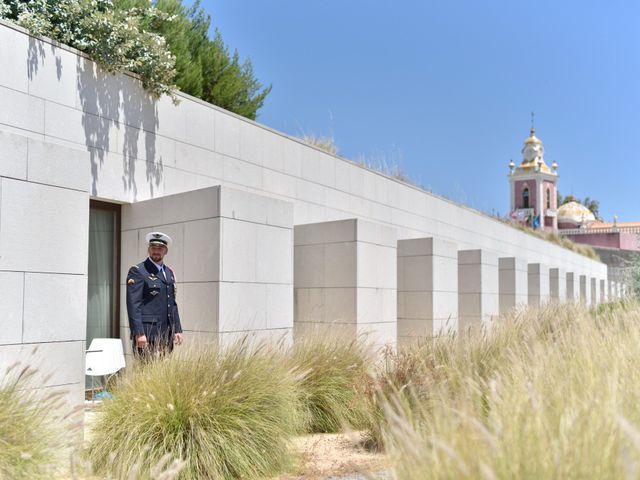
x: 333, y: 372
x: 547, y: 393
x: 29, y: 441
x: 225, y: 414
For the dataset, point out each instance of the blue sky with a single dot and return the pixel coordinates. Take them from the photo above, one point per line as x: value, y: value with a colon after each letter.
x: 446, y: 88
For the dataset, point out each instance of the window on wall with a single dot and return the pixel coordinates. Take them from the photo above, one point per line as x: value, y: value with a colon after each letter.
x: 525, y: 198
x: 548, y: 198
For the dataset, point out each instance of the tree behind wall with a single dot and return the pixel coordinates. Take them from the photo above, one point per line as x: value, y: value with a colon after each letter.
x: 205, y: 67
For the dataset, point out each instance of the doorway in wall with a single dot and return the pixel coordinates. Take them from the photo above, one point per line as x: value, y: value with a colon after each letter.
x: 103, y: 292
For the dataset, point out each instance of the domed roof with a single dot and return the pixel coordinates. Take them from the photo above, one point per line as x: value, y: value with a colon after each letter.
x: 574, y: 212
x: 532, y: 138
x: 534, y: 160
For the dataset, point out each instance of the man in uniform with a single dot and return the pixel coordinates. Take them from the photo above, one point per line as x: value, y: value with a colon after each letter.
x: 151, y: 301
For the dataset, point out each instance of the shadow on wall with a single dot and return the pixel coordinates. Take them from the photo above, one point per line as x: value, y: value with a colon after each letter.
x: 117, y: 105
x: 116, y: 113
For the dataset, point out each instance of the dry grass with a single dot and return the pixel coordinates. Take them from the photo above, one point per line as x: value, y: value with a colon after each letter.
x: 552, y: 393
x: 332, y: 371
x: 585, y: 250
x: 33, y: 441
x: 327, y: 144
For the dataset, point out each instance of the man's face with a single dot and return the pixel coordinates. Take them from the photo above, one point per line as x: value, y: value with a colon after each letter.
x: 157, y: 252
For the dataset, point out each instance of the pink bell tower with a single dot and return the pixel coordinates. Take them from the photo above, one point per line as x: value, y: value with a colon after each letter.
x: 534, y: 195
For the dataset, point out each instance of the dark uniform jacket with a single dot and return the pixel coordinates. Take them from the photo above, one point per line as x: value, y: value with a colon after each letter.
x: 151, y: 303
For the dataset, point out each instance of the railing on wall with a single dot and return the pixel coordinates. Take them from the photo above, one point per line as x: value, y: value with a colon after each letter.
x: 587, y: 231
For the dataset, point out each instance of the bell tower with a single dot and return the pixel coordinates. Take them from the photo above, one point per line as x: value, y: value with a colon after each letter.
x: 534, y: 194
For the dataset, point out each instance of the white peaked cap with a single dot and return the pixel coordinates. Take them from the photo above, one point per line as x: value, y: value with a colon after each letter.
x: 158, y: 238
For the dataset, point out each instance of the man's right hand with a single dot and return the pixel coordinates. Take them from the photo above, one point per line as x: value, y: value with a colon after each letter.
x: 141, y: 341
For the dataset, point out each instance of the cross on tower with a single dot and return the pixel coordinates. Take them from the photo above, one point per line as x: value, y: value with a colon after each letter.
x: 533, y: 121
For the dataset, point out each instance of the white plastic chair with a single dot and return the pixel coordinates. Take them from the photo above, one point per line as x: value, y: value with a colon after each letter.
x: 105, y: 356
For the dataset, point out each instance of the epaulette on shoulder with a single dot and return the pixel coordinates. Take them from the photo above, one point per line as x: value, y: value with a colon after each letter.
x: 134, y: 266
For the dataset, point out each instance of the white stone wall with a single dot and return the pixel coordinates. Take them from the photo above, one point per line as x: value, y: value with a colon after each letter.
x: 513, y: 283
x: 70, y: 132
x: 427, y: 289
x: 232, y: 257
x: 139, y: 149
x: 44, y: 229
x: 345, y: 280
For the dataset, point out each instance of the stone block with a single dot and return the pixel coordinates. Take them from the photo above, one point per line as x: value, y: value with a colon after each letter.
x: 303, y: 330
x: 309, y: 266
x: 325, y: 232
x: 340, y: 264
x: 417, y: 247
x: 67, y: 123
x: 238, y: 251
x: 573, y: 287
x: 194, y: 205
x: 585, y: 290
x: 32, y: 212
x: 376, y: 305
x: 21, y: 110
x: 512, y: 283
x: 252, y: 142
x: 279, y: 183
x: 538, y: 284
x: 280, y: 306
x: 53, y: 73
x: 478, y: 286
x: 56, y: 363
x: 198, y: 160
x: 377, y: 266
x: 242, y: 174
x: 202, y: 126
x: 427, y: 285
x: 47, y: 316
x: 309, y: 305
x: 340, y: 279
x: 13, y: 152
x: 412, y: 330
x: 199, y: 309
x: 53, y: 164
x: 171, y: 119
x: 227, y: 134
x: 13, y: 51
x: 379, y: 334
x: 415, y: 305
x: 202, y: 250
x: 339, y: 305
x: 557, y: 285
x: 274, y: 254
x: 11, y: 306
x: 241, y: 205
x: 293, y: 151
x: 242, y: 306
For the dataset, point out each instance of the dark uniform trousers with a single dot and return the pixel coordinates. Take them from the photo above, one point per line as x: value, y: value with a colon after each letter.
x: 152, y: 307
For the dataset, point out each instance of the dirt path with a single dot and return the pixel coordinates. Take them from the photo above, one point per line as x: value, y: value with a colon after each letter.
x: 333, y: 455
